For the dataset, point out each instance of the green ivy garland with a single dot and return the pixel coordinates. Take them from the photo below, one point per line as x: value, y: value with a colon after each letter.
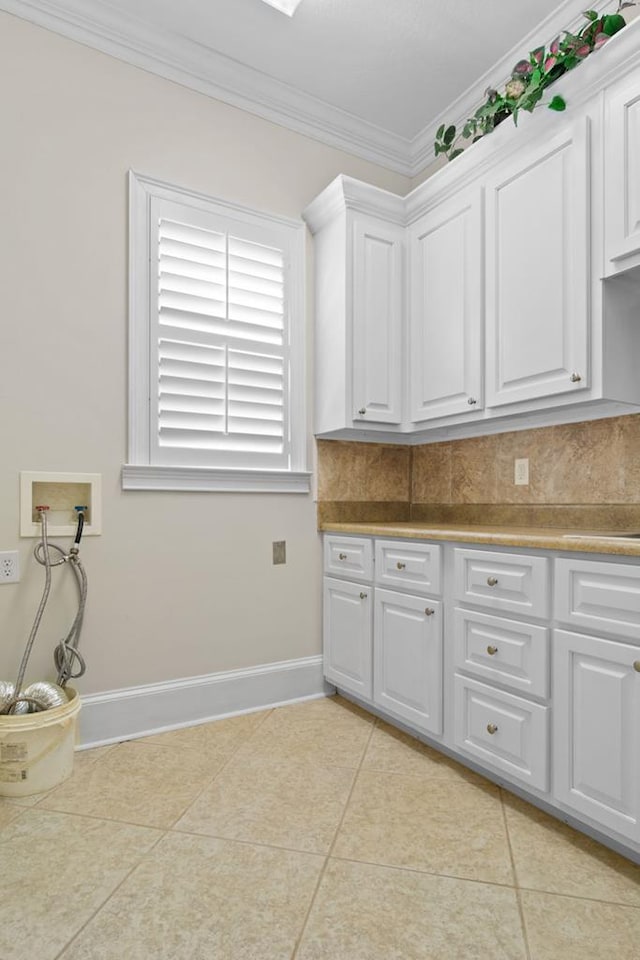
x: 530, y: 78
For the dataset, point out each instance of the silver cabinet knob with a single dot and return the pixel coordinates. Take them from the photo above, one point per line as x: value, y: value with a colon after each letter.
x: 636, y: 666
x: 342, y: 556
x: 363, y: 596
x: 429, y: 611
x: 400, y: 565
x: 472, y: 401
x: 362, y: 411
x: 492, y: 581
x: 492, y: 728
x: 491, y: 650
x: 575, y: 378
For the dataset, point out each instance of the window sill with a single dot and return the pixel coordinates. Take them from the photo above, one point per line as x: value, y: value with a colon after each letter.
x: 146, y: 477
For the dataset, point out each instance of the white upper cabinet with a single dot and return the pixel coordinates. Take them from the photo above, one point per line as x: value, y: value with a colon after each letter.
x: 446, y: 309
x: 359, y: 249
x: 377, y: 289
x: 622, y: 175
x: 537, y: 252
x: 499, y: 293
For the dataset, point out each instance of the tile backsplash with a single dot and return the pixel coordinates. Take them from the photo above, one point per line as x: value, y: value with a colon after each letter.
x: 590, y: 464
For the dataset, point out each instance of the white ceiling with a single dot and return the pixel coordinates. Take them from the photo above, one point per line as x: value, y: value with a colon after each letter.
x: 371, y: 76
x: 395, y: 63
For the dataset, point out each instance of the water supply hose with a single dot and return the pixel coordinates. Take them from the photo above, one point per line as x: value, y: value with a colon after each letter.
x: 68, y: 661
x: 44, y: 544
x: 66, y: 655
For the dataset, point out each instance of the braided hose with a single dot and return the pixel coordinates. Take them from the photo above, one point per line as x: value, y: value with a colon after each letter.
x: 44, y: 544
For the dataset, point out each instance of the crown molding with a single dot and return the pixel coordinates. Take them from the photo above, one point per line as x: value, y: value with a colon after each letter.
x: 94, y: 23
x: 192, y: 65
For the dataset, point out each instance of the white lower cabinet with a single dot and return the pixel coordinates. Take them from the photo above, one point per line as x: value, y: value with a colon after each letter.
x: 347, y: 636
x: 407, y: 664
x: 596, y: 695
x: 478, y: 664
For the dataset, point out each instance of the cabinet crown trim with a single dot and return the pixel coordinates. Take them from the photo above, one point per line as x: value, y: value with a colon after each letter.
x: 346, y: 193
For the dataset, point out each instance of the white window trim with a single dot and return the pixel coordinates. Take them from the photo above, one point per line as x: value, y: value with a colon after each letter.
x: 138, y: 473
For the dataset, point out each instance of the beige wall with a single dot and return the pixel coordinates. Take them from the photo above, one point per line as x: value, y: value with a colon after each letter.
x: 180, y: 584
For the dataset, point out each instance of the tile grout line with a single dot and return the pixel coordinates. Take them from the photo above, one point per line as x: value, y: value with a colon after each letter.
x: 323, y: 871
x: 523, y: 925
x: 427, y: 873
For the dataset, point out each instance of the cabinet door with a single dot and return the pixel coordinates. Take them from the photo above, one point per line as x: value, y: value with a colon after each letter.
x: 446, y: 309
x: 622, y: 174
x: 347, y: 636
x: 377, y: 305
x: 537, y: 233
x: 408, y: 658
x: 596, y: 696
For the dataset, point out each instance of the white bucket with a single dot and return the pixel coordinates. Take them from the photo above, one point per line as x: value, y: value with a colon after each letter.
x: 36, y: 749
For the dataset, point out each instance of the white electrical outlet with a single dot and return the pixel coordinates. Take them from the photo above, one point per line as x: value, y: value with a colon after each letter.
x: 9, y: 566
x: 521, y: 472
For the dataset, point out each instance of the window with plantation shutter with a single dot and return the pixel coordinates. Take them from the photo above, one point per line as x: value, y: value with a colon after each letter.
x: 216, y: 345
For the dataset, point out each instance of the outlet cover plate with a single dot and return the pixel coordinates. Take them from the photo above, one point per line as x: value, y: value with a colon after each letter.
x: 9, y: 566
x: 521, y: 472
x: 279, y: 551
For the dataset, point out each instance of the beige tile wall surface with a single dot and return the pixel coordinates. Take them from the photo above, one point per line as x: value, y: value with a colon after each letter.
x: 573, y: 469
x: 310, y: 832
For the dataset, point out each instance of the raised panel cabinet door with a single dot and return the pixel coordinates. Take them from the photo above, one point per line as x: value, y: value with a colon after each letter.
x: 622, y: 174
x: 537, y: 270
x: 377, y: 305
x: 346, y: 631
x: 446, y: 309
x: 408, y: 658
x: 596, y: 696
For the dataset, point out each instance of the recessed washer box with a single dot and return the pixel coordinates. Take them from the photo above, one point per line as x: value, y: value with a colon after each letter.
x: 61, y: 492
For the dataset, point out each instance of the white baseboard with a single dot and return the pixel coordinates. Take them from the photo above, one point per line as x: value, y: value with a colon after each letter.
x: 140, y: 711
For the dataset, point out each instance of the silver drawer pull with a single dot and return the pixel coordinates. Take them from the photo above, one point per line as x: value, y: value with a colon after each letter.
x: 429, y: 611
x: 491, y: 650
x: 636, y: 666
x: 342, y: 556
x: 362, y: 411
x: 400, y: 565
x: 492, y: 581
x: 492, y: 728
x: 472, y: 401
x: 363, y: 596
x: 575, y: 378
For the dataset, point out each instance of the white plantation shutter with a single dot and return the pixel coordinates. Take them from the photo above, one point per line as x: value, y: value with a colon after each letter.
x: 219, y: 340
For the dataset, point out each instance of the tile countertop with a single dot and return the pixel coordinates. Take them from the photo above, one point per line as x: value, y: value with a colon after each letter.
x: 542, y: 538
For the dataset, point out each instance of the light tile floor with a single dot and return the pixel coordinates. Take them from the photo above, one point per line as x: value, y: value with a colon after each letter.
x: 309, y: 832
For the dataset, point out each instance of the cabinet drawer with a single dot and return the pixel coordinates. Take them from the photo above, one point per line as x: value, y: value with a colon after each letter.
x: 414, y: 565
x: 502, y: 581
x: 350, y: 557
x: 503, y: 651
x: 502, y: 730
x: 599, y: 596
